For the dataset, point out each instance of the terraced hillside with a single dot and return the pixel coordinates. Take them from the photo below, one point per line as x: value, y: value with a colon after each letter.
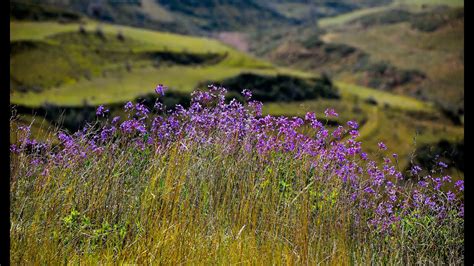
x: 69, y: 64
x: 416, y: 5
x: 415, y: 50
x: 438, y: 54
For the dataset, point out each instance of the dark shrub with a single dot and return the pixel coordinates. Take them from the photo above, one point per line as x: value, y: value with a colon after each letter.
x: 451, y: 153
x: 281, y: 87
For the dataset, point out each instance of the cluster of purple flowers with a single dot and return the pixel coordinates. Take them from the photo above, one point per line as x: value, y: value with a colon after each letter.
x: 330, y: 112
x: 238, y: 127
x: 160, y: 89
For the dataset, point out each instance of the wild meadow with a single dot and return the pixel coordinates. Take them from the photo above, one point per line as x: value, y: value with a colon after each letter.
x: 218, y: 183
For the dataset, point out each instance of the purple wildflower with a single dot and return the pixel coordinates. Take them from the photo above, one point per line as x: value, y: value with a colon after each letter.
x: 459, y: 185
x: 115, y: 119
x: 228, y: 126
x: 128, y: 106
x: 247, y: 94
x: 257, y: 107
x: 101, y: 111
x: 14, y: 148
x: 310, y: 116
x: 415, y: 170
x: 354, y: 133
x: 451, y: 196
x: 437, y: 182
x: 423, y: 183
x: 369, y: 190
x: 330, y: 112
x: 353, y: 124
x: 158, y: 106
x: 442, y: 164
x: 141, y: 110
x: 446, y: 178
x: 160, y: 89
x: 382, y: 146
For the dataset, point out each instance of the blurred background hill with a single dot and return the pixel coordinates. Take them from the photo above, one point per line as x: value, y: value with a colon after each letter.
x: 395, y: 66
x: 191, y: 16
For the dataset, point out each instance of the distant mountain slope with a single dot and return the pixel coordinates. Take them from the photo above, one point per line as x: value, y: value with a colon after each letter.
x: 311, y: 10
x: 433, y: 45
x: 413, y: 51
x: 216, y: 15
x: 191, y: 16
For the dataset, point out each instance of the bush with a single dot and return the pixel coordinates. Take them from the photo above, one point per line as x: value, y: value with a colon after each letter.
x: 387, y: 17
x: 37, y: 12
x: 450, y: 153
x: 120, y: 36
x: 281, y: 87
x: 431, y: 21
x: 371, y: 100
x: 100, y: 32
x: 383, y: 75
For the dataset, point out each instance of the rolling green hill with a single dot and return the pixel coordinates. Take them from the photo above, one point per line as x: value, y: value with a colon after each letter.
x: 66, y: 67
x: 416, y: 5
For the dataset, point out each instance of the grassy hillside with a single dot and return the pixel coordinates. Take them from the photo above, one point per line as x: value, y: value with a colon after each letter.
x: 412, y: 50
x: 340, y: 20
x: 439, y: 54
x: 191, y: 17
x: 70, y: 67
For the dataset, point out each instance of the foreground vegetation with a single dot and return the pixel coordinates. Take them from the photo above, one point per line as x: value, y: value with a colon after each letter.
x: 219, y: 183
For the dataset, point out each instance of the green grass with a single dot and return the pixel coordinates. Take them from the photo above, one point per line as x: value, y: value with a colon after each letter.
x: 344, y: 18
x: 41, y: 129
x: 21, y: 30
x: 148, y: 40
x: 293, y: 10
x: 126, y: 86
x: 156, y: 11
x: 411, y: 4
x: 349, y: 92
x: 344, y: 108
x: 404, y: 47
x: 453, y: 3
x: 385, y: 98
x: 61, y: 67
